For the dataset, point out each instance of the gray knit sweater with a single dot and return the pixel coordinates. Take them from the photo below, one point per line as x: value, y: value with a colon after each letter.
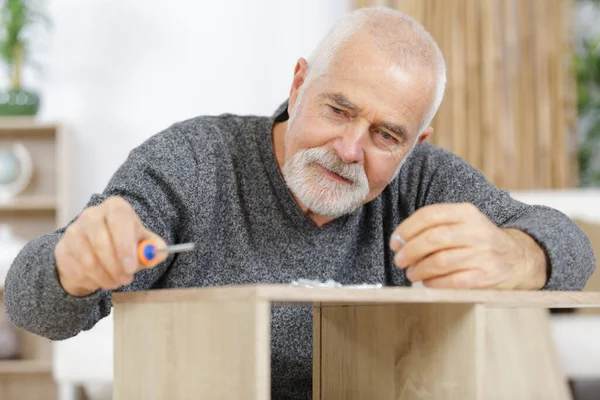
x: 215, y: 180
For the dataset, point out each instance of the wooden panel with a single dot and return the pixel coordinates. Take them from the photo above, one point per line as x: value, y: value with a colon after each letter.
x: 386, y: 295
x: 509, y: 108
x: 25, y: 366
x: 27, y: 387
x: 207, y: 350
x: 474, y: 89
x: 29, y: 203
x: 521, y: 360
x: 316, y: 351
x: 417, y: 351
x: 542, y: 81
x: 26, y: 126
x: 30, y: 214
x: 458, y: 82
x: 511, y: 141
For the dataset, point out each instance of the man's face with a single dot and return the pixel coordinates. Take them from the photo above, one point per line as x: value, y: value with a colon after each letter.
x: 350, y: 130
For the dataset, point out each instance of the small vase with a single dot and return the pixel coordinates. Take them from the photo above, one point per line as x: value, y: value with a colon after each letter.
x: 9, y: 340
x: 10, y: 246
x: 20, y: 103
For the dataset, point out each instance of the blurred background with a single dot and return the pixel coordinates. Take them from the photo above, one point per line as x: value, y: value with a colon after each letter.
x: 83, y: 82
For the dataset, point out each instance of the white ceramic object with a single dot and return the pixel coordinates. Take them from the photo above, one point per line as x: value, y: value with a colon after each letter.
x: 16, y: 168
x: 9, y: 341
x: 10, y: 246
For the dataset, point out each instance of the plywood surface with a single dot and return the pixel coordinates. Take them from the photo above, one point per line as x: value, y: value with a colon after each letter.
x: 521, y: 358
x: 185, y: 350
x: 389, y: 295
x: 406, y: 351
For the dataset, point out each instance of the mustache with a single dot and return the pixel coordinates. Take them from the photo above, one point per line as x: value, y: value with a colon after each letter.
x: 329, y: 160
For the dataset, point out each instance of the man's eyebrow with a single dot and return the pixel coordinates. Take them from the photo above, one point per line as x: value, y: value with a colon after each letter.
x: 341, y: 100
x: 398, y: 130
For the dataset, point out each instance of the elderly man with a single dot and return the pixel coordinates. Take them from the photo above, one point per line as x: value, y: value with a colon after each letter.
x: 338, y: 184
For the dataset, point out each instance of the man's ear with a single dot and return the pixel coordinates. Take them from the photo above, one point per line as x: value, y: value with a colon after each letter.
x: 300, y: 72
x: 425, y: 135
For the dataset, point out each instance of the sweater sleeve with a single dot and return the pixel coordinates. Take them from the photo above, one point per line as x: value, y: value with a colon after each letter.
x: 157, y: 187
x: 434, y: 175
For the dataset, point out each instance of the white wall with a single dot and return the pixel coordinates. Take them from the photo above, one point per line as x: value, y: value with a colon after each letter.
x: 118, y: 71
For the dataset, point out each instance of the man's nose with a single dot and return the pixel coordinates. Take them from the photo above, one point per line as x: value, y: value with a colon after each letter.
x: 350, y: 146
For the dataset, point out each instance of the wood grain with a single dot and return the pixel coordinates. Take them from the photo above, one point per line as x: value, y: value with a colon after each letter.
x: 316, y: 351
x: 192, y: 349
x: 509, y: 108
x: 458, y: 80
x: 510, y: 142
x: 489, y: 108
x: 541, y: 55
x: 389, y: 295
x: 415, y: 351
x: 474, y: 89
x: 521, y: 360
x: 368, y: 343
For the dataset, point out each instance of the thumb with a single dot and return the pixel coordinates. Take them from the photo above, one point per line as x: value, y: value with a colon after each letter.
x: 148, y: 243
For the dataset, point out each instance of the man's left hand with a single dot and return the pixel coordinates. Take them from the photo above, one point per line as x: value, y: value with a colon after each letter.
x: 457, y: 246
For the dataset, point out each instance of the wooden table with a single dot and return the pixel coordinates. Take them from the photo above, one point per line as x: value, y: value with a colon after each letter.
x: 390, y: 343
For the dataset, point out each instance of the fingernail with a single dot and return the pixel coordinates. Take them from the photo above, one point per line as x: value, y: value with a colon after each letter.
x: 398, y: 239
x: 130, y: 265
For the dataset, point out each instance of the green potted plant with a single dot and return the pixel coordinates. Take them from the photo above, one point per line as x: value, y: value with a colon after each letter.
x: 17, y: 17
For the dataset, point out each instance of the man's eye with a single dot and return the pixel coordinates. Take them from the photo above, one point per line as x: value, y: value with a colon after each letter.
x: 387, y: 136
x: 337, y: 111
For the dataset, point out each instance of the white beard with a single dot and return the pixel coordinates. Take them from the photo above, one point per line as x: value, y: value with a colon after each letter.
x: 321, y: 194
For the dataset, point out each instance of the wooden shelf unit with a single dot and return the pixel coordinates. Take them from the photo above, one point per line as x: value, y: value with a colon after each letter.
x: 39, y: 209
x: 30, y: 203
x: 25, y: 366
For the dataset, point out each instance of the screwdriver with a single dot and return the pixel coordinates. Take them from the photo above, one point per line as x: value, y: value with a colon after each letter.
x: 147, y: 250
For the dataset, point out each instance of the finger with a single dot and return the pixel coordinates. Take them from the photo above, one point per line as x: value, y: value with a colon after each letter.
x: 129, y: 233
x: 98, y: 236
x: 438, y: 238
x: 440, y: 264
x: 123, y: 225
x: 86, y: 262
x: 69, y: 273
x: 429, y: 216
x: 466, y: 279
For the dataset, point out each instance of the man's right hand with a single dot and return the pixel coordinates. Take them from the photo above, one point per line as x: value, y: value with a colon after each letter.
x: 99, y: 250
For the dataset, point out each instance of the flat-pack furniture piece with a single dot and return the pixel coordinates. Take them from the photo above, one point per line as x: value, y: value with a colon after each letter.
x: 385, y: 343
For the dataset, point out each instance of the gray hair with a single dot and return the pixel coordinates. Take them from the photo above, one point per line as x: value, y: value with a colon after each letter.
x: 402, y: 37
